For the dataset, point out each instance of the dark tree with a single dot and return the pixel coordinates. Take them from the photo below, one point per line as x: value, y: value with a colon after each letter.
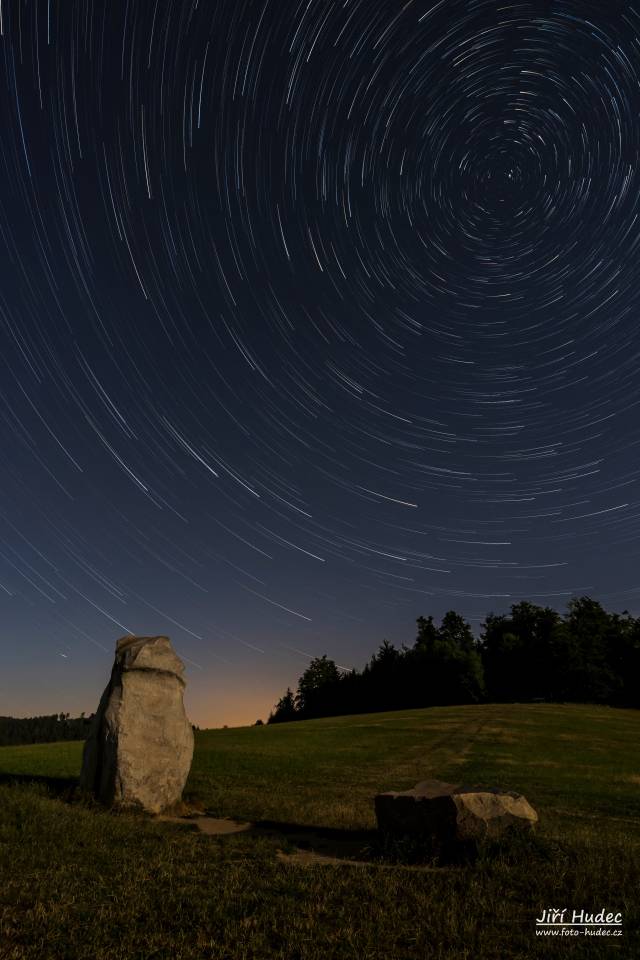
x: 318, y: 688
x: 520, y: 653
x: 444, y: 665
x: 285, y: 709
x: 591, y: 633
x: 385, y: 679
x: 624, y: 658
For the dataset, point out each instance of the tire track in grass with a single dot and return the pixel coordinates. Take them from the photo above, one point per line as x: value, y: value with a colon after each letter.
x: 449, y: 753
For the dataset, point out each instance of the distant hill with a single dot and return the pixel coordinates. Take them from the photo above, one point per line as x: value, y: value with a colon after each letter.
x: 45, y: 729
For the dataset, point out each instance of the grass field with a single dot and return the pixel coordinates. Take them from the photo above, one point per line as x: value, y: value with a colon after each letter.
x: 81, y: 882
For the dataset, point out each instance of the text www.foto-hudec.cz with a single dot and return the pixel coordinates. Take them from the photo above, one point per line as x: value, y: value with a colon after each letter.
x: 554, y: 922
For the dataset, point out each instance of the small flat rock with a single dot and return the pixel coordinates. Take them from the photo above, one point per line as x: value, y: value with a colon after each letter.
x: 215, y: 827
x: 212, y: 826
x: 308, y: 858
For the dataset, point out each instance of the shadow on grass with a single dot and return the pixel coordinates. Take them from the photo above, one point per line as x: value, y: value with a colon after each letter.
x: 328, y: 842
x: 63, y: 788
x: 374, y: 847
x: 420, y: 851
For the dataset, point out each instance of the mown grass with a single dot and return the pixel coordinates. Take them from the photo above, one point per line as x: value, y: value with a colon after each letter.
x: 82, y: 883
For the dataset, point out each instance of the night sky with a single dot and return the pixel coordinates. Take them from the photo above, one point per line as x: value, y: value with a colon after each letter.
x: 314, y: 317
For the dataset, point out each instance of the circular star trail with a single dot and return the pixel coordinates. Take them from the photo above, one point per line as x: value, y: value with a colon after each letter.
x: 315, y: 317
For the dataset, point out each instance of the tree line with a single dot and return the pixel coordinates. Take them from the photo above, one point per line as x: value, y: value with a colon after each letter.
x: 46, y: 729
x: 587, y: 655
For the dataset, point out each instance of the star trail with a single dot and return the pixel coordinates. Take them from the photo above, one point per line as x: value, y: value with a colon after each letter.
x: 315, y: 317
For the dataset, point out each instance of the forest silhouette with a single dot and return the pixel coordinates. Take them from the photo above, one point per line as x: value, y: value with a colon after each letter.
x: 532, y: 653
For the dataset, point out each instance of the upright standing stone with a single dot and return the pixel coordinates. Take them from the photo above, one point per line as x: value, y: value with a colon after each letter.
x: 140, y: 744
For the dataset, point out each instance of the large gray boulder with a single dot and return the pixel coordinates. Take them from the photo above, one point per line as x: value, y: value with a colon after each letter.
x: 140, y: 744
x: 448, y: 815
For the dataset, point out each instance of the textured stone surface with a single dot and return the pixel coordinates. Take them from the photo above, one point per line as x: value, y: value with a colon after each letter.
x: 450, y: 814
x: 140, y: 744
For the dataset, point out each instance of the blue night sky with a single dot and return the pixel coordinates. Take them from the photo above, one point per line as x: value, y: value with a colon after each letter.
x: 314, y: 318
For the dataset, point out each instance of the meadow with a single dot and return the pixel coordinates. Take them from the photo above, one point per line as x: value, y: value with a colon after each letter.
x: 84, y: 883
